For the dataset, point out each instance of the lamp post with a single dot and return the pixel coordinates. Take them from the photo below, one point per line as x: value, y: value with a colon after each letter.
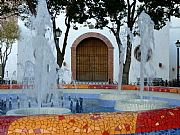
x: 178, y: 46
x: 58, y: 33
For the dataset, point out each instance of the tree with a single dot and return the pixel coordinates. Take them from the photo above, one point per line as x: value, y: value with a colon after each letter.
x: 9, y: 33
x: 74, y: 11
x: 7, y: 9
x: 109, y: 11
x: 126, y: 12
x: 159, y: 11
x: 17, y: 8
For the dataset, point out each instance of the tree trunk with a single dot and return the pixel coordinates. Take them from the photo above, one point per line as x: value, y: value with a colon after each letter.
x: 121, y: 54
x: 60, y: 59
x: 128, y: 61
x: 32, y: 7
x: 120, y: 61
x: 3, y: 71
x: 130, y: 22
x: 60, y: 54
x: 67, y: 22
x: 56, y: 41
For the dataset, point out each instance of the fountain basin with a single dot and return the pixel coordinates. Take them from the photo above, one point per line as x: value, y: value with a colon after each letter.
x: 37, y: 111
x: 109, y: 99
x: 162, y: 121
x: 118, y: 96
x: 139, y: 105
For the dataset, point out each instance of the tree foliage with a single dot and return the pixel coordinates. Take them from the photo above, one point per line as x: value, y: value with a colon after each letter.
x: 108, y: 13
x: 101, y: 11
x: 126, y: 12
x: 74, y: 12
x: 7, y: 9
x: 160, y: 11
x: 18, y: 8
x: 9, y: 33
x: 75, y: 9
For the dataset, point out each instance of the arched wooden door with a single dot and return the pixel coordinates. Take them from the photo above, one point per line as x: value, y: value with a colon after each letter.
x: 92, y: 60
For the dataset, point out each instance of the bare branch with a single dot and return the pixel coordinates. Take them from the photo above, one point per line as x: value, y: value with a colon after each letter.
x: 111, y: 29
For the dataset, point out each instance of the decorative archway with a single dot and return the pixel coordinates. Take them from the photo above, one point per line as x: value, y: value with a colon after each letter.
x: 95, y: 41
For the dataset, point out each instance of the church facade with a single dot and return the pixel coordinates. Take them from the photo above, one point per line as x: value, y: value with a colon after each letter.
x: 92, y: 54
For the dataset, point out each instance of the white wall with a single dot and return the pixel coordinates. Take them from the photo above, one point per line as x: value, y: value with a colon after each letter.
x: 174, y: 36
x: 162, y: 49
x: 160, y: 54
x: 74, y: 34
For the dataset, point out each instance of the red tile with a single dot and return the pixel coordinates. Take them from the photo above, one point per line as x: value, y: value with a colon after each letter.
x: 127, y: 127
x: 105, y: 133
x: 61, y: 117
x: 158, y: 120
x: 5, y: 122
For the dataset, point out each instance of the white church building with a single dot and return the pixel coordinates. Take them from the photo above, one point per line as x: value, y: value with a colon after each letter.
x: 163, y: 61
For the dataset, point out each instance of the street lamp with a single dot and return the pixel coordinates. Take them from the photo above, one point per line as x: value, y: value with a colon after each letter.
x: 178, y: 46
x: 58, y: 33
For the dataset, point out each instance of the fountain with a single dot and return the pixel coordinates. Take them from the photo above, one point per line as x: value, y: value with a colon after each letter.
x: 44, y: 73
x: 109, y: 99
x: 44, y: 69
x: 37, y: 111
x: 166, y: 121
x: 146, y: 27
x: 124, y: 101
x: 139, y: 105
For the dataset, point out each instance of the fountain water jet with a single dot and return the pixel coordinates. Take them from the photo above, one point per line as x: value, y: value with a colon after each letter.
x: 44, y: 66
x: 146, y: 27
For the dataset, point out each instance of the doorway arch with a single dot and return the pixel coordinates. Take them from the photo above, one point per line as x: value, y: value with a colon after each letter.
x: 92, y: 58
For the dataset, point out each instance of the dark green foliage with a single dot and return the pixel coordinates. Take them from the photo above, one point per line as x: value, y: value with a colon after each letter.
x: 55, y: 6
x: 75, y: 12
x: 75, y: 9
x: 17, y: 8
x: 159, y: 10
x: 102, y: 9
x: 4, y: 8
x: 7, y: 10
x: 32, y: 5
x: 126, y: 12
